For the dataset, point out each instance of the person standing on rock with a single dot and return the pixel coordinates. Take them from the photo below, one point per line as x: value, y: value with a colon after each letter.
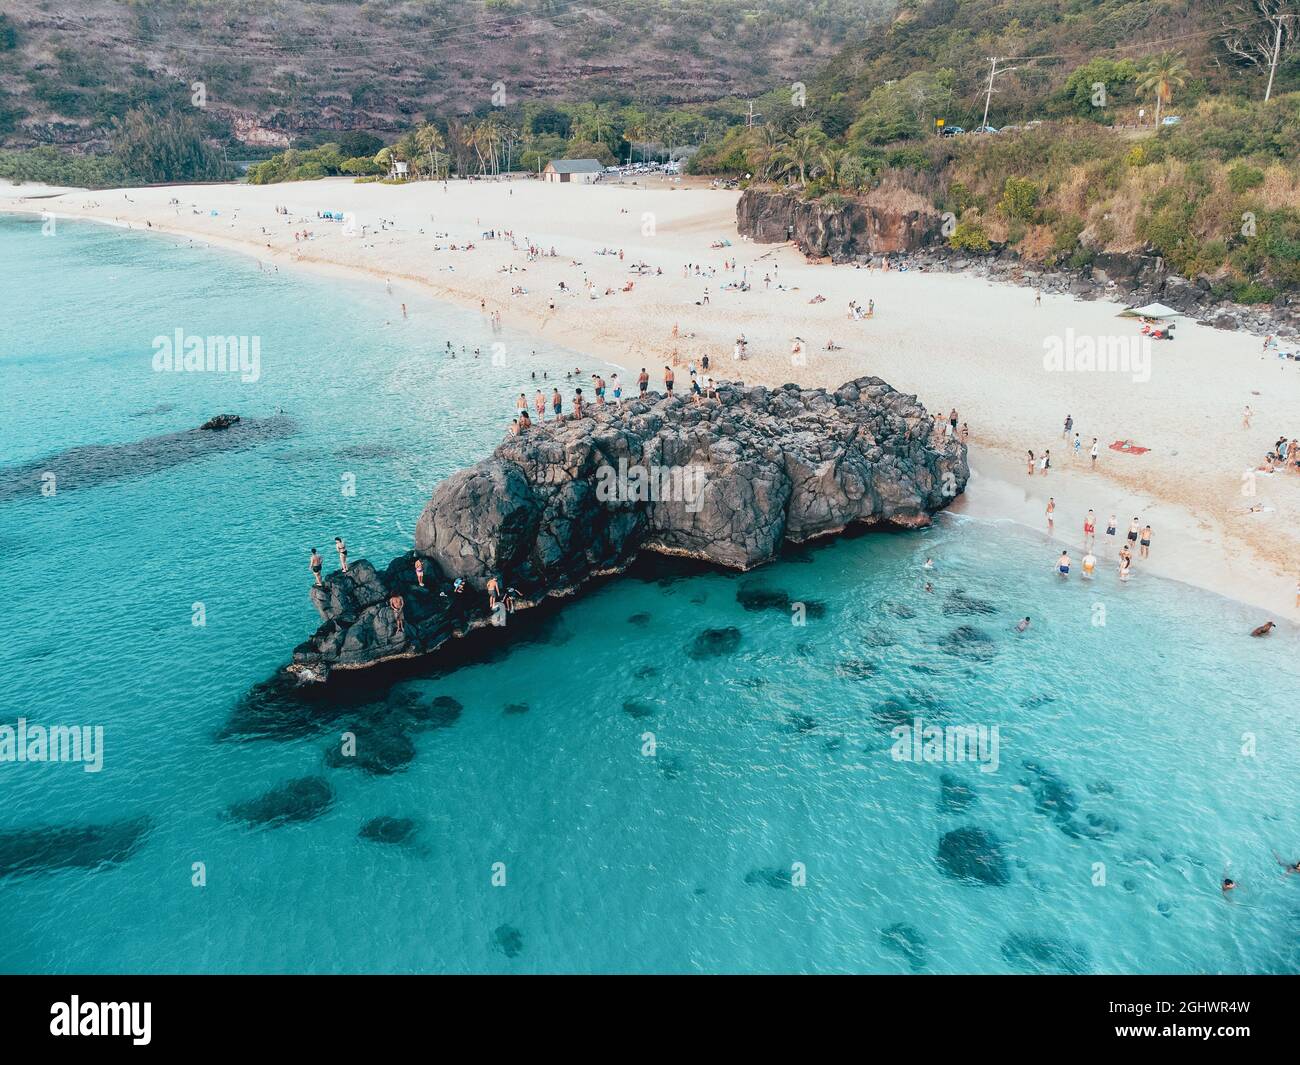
x: 315, y: 565
x: 342, y: 549
x: 493, y: 592
x: 419, y: 572
x: 643, y: 381
x: 668, y: 380
x: 577, y: 403
x: 557, y: 403
x: 539, y: 402
x: 397, y: 605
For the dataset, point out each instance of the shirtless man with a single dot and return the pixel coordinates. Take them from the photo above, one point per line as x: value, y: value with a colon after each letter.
x: 494, y: 592
x: 643, y: 381
x: 1145, y: 541
x: 1133, y: 528
x: 668, y: 380
x: 1022, y: 625
x: 1093, y: 452
x: 1264, y: 629
x: 1063, y: 564
x: 557, y: 403
x: 539, y: 404
x: 396, y: 603
x: 315, y: 565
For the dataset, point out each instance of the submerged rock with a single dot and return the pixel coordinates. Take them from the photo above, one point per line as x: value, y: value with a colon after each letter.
x: 1044, y: 954
x: 508, y: 940
x: 973, y: 855
x: 397, y: 831
x: 293, y: 801
x: 378, y: 751
x: 712, y: 643
x: 954, y: 794
x: 907, y: 941
x: 32, y: 851
x: 570, y: 501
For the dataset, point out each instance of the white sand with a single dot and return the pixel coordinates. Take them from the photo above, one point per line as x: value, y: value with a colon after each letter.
x: 954, y: 340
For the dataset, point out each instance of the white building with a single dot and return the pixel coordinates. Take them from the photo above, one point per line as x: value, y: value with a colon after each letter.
x: 584, y: 171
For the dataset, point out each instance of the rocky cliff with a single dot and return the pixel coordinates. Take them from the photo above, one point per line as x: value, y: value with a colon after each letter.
x: 841, y: 231
x: 727, y: 481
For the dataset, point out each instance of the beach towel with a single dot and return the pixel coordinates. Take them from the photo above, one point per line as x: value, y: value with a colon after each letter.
x: 1128, y: 447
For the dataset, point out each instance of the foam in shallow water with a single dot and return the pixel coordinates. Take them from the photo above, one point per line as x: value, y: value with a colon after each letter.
x: 764, y: 825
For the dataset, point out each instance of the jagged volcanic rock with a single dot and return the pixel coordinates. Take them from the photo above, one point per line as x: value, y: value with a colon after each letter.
x: 727, y: 481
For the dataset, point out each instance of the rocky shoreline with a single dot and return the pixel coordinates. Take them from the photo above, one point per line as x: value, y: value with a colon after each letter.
x: 855, y: 232
x: 727, y: 481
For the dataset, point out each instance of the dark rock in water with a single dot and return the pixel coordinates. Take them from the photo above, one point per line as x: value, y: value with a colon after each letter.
x: 907, y: 941
x: 856, y: 667
x: 221, y: 421
x: 33, y: 851
x: 1053, y: 797
x: 90, y: 465
x: 773, y: 877
x: 878, y: 638
x: 639, y: 619
x: 379, y: 751
x: 954, y: 794
x: 904, y: 709
x: 1033, y: 702
x: 802, y: 722
x: 901, y: 610
x: 670, y: 766
x: 516, y: 708
x: 754, y: 597
x: 968, y: 641
x: 446, y: 712
x: 565, y: 503
x: 368, y: 451
x: 398, y: 831
x: 646, y: 672
x: 699, y: 599
x: 712, y: 643
x: 293, y: 801
x: 1101, y: 787
x: 635, y: 709
x: 973, y: 855
x: 508, y: 940
x: 813, y: 608
x: 1044, y: 954
x: 961, y: 604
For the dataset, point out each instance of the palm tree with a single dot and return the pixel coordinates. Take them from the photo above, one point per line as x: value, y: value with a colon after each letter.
x: 1163, y: 74
x: 430, y: 140
x: 804, y: 150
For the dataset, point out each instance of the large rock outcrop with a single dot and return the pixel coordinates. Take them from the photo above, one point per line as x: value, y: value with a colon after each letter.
x: 726, y: 480
x: 841, y: 231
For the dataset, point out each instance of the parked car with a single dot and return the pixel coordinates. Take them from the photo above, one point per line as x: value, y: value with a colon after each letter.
x: 952, y: 131
x: 1170, y: 120
x: 985, y: 129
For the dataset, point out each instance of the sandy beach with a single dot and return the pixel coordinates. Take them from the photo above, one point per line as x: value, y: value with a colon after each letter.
x: 955, y: 340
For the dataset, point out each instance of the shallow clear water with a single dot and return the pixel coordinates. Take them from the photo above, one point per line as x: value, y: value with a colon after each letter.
x: 772, y: 763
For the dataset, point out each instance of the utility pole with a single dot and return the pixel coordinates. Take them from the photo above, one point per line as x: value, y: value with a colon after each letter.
x: 988, y: 96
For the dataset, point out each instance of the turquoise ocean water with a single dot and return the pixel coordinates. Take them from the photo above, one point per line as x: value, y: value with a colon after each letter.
x: 770, y: 829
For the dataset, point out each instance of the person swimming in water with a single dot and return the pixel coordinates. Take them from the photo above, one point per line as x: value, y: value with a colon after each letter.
x: 1228, y: 884
x: 1022, y: 625
x: 1290, y: 867
x: 1264, y: 629
x: 1063, y: 564
x: 1089, y: 564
